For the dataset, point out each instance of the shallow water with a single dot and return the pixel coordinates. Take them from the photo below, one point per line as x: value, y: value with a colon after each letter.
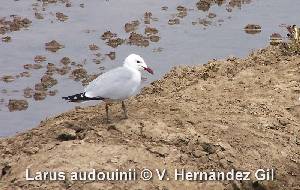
x: 182, y: 44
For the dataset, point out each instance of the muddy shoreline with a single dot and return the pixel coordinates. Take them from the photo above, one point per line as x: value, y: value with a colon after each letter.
x: 240, y: 114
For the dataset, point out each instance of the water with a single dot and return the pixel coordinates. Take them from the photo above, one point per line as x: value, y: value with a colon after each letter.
x: 182, y: 44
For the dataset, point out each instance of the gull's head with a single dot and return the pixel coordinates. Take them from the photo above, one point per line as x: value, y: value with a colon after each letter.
x: 136, y: 62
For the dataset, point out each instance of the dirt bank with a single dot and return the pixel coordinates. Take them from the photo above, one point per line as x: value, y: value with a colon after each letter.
x: 241, y: 114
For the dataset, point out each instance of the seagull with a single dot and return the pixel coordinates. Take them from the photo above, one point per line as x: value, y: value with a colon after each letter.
x: 117, y: 84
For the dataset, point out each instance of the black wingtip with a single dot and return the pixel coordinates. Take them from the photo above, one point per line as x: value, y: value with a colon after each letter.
x: 80, y: 97
x: 75, y: 98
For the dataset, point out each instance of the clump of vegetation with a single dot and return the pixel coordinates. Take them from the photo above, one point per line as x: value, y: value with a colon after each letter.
x: 292, y: 47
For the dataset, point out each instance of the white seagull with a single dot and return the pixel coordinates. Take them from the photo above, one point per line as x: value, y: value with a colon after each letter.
x: 115, y: 85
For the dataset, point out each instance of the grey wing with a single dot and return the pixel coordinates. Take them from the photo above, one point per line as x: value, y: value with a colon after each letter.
x: 118, y: 83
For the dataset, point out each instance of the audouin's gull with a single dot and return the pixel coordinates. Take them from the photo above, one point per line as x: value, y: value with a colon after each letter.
x: 115, y: 85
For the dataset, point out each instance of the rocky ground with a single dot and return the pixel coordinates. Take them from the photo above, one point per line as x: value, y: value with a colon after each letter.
x: 241, y: 114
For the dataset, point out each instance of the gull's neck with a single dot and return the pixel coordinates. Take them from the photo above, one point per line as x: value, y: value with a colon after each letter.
x: 130, y: 67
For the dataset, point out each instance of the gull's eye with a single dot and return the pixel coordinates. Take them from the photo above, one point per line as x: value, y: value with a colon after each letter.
x: 138, y: 61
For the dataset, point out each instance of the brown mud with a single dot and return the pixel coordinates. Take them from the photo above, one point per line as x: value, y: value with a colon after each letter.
x: 240, y: 114
x: 252, y: 28
x: 53, y: 46
x: 15, y: 105
x: 14, y: 23
x: 276, y: 39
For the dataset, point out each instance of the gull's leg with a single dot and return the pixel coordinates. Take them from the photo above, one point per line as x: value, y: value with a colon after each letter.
x: 124, y: 110
x: 106, y: 109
